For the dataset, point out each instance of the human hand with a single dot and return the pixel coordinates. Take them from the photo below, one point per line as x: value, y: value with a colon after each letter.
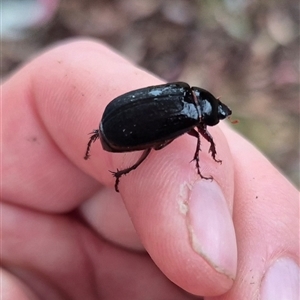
x: 67, y: 234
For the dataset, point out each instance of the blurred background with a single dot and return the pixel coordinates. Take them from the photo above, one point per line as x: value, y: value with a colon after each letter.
x: 245, y: 51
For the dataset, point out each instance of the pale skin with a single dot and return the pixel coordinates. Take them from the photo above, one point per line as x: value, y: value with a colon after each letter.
x: 66, y: 233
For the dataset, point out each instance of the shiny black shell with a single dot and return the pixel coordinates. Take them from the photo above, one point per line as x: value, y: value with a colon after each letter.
x: 152, y: 117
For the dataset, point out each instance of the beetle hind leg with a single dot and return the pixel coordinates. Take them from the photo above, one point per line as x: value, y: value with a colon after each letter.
x: 95, y: 135
x: 196, y: 134
x: 120, y: 173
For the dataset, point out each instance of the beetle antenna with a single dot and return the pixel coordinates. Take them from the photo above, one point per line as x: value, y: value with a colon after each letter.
x: 236, y: 121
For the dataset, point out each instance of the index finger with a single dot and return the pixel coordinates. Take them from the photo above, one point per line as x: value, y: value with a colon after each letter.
x: 47, y: 115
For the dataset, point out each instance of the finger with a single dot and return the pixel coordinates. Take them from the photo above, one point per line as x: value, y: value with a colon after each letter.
x: 266, y: 217
x: 172, y: 219
x: 45, y: 106
x: 54, y: 257
x: 184, y: 222
x: 105, y: 212
x: 47, y: 119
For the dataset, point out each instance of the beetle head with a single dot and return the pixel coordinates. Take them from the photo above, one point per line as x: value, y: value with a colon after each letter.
x: 214, y: 111
x: 223, y: 110
x: 211, y: 109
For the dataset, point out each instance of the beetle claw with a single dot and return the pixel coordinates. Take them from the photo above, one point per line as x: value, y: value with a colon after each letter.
x: 114, y: 174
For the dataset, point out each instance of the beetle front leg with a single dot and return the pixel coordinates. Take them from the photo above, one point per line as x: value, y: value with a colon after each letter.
x: 212, y: 149
x: 195, y: 133
x: 120, y: 173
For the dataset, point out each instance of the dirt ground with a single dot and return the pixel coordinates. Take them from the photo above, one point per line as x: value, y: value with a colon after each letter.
x: 247, y: 52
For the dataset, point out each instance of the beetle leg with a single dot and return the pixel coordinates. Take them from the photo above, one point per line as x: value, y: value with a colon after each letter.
x: 196, y: 134
x: 93, y: 138
x: 212, y: 149
x: 120, y: 173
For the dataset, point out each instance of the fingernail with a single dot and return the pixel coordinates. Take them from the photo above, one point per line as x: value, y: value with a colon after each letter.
x: 211, y: 227
x: 281, y: 281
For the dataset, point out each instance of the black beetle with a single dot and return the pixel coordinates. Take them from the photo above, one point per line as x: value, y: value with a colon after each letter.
x: 152, y: 117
